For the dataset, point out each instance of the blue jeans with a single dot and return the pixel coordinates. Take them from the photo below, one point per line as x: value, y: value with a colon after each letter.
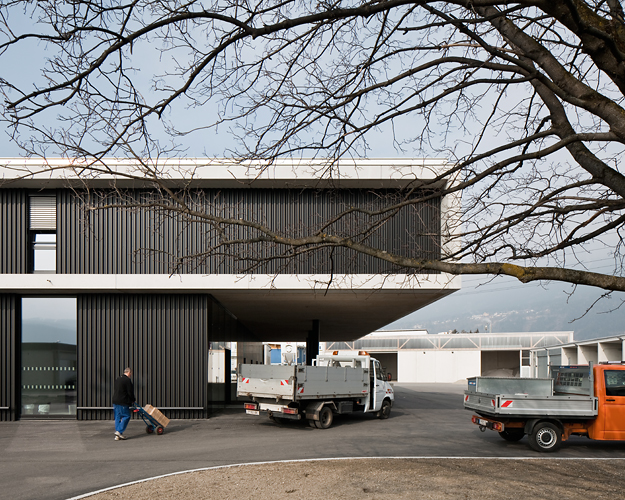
x: 122, y: 417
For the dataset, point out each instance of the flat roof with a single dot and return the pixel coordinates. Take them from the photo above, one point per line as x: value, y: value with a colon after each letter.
x: 391, y: 341
x: 589, y: 342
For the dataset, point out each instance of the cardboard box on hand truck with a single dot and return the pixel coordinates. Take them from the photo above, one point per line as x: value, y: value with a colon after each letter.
x: 156, y: 415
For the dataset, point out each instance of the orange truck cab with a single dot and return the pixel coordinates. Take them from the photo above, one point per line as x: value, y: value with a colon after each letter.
x: 574, y: 400
x: 609, y: 387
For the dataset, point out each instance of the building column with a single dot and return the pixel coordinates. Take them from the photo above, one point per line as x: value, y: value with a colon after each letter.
x: 312, y: 342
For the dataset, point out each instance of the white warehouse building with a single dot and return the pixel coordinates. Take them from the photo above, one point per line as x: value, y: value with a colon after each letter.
x: 414, y: 356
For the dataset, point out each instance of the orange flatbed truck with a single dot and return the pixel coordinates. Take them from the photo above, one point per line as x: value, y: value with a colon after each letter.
x: 586, y: 400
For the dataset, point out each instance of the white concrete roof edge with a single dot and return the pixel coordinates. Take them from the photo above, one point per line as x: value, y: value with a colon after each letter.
x: 214, y: 282
x: 414, y: 334
x: 228, y: 169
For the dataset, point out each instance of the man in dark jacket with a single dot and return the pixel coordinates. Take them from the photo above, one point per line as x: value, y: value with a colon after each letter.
x: 123, y: 398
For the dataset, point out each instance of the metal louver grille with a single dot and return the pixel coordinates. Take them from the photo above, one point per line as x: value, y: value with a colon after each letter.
x: 43, y: 212
x: 142, y: 239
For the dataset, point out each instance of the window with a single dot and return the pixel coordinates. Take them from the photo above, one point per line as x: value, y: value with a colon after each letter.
x: 49, y: 357
x: 614, y: 383
x: 44, y: 253
x: 42, y: 226
x: 379, y: 373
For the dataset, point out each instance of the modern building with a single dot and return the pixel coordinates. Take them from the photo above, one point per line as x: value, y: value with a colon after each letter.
x: 414, y: 356
x: 583, y: 352
x: 97, y: 275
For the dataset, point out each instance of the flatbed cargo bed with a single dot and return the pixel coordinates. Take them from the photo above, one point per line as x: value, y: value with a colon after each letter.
x: 566, y: 394
x: 521, y: 405
x: 300, y: 382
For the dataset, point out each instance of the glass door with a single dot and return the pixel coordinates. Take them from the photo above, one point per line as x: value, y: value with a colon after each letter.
x: 48, y: 385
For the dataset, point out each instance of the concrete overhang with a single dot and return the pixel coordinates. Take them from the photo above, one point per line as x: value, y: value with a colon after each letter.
x: 272, y: 307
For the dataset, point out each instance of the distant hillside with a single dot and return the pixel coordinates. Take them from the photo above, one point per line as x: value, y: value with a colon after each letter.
x: 507, y: 306
x: 37, y: 330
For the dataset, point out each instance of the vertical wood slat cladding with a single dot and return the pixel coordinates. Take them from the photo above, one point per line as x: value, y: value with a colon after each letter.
x: 8, y: 357
x: 163, y: 338
x: 144, y: 241
x: 13, y: 231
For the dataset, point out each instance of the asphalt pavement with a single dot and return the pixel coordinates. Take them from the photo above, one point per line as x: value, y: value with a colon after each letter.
x: 61, y: 459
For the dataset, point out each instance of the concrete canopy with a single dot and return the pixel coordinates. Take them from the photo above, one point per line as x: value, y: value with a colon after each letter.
x: 288, y: 315
x: 280, y: 308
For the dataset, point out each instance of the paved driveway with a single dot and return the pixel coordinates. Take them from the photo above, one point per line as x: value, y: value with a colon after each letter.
x: 62, y: 459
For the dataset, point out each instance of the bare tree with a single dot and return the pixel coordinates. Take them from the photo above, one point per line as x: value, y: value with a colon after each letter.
x: 524, y: 98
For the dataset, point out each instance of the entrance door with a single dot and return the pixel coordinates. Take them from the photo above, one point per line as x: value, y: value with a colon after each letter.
x: 49, y: 355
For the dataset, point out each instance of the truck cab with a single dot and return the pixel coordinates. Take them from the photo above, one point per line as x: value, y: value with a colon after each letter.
x: 380, y: 390
x: 609, y: 385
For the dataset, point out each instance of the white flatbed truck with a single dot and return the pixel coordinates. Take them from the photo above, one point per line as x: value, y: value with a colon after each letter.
x: 336, y: 384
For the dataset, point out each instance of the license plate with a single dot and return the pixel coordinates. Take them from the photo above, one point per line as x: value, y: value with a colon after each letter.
x: 252, y: 412
x: 483, y: 422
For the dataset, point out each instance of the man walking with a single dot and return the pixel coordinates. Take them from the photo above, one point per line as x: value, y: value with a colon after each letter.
x: 123, y: 398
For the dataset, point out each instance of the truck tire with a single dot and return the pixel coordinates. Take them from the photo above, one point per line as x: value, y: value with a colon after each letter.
x: 545, y: 437
x: 385, y: 411
x: 512, y: 434
x: 325, y: 418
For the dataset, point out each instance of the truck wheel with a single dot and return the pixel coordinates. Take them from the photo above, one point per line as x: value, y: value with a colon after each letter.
x: 512, y: 434
x: 385, y: 411
x: 325, y: 418
x: 545, y: 437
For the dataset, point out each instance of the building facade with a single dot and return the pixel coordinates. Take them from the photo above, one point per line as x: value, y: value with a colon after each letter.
x: 414, y: 356
x: 98, y: 275
x: 583, y: 352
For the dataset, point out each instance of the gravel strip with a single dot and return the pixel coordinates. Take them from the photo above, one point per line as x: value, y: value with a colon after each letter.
x: 391, y: 479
